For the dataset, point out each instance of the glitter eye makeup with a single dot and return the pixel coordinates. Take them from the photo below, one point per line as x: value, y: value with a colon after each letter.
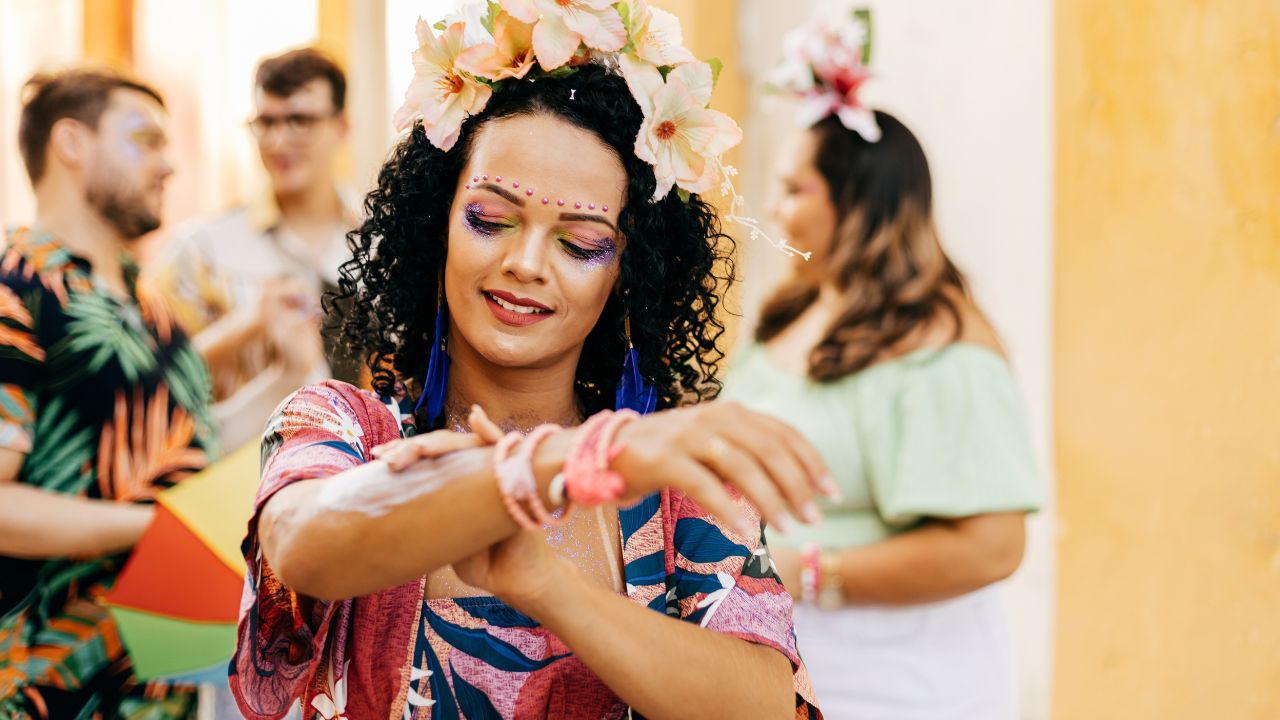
x: 590, y: 251
x: 594, y: 252
x: 480, y: 223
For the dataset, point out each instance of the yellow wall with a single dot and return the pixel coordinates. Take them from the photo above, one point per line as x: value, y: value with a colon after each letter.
x: 1168, y: 359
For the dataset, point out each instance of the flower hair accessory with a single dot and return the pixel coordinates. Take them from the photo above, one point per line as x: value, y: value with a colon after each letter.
x: 825, y: 64
x: 461, y: 59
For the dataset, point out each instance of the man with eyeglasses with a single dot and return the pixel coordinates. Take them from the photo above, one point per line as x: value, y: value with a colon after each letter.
x: 247, y: 285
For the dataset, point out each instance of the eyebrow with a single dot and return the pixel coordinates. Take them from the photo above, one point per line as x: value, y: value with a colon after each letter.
x: 588, y: 218
x: 513, y: 198
x: 510, y: 197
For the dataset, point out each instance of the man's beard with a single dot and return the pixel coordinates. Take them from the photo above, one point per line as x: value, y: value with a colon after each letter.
x: 126, y: 211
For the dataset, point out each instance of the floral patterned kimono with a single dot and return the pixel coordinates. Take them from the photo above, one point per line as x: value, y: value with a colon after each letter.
x: 394, y: 654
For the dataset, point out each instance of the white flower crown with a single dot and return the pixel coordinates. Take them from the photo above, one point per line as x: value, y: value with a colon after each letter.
x: 494, y: 41
x: 825, y: 64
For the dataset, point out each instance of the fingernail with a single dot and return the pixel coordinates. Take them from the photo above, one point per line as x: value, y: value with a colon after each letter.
x: 830, y: 488
x: 781, y: 522
x: 811, y: 513
x: 747, y: 527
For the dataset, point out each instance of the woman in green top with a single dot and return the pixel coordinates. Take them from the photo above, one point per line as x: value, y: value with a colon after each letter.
x: 875, y: 351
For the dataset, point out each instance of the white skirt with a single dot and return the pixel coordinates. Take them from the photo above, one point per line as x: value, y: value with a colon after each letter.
x: 951, y: 660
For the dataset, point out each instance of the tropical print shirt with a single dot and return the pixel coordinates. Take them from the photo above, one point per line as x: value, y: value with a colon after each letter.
x: 397, y: 654
x: 107, y: 400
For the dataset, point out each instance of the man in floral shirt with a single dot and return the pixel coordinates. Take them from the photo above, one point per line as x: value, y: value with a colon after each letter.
x: 102, y: 401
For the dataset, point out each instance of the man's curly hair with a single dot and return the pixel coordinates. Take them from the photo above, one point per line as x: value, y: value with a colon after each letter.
x: 675, y: 265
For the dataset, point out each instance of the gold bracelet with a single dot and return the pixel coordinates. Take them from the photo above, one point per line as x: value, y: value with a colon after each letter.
x: 831, y: 591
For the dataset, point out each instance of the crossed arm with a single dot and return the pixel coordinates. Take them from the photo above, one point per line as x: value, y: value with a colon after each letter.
x: 320, y: 546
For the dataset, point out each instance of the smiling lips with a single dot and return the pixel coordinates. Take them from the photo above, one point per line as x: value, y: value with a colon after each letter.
x: 513, y: 310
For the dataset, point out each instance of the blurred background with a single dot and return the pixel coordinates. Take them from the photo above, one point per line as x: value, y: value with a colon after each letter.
x: 1106, y: 173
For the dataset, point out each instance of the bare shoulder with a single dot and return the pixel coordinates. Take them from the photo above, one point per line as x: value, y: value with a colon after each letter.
x: 976, y: 328
x: 940, y: 331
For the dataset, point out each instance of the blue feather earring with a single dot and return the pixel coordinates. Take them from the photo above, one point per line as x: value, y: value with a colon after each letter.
x: 634, y: 392
x: 433, y: 386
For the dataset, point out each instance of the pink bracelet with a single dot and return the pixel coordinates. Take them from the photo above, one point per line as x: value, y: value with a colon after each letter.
x: 512, y: 484
x: 588, y: 479
x: 517, y: 482
x: 524, y: 456
x: 606, y: 451
x: 810, y: 573
x: 578, y: 461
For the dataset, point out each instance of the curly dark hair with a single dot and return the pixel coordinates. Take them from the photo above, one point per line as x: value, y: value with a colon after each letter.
x: 675, y: 265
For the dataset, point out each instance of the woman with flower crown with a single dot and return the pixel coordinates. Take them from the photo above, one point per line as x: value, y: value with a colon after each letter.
x: 875, y: 351
x: 590, y: 543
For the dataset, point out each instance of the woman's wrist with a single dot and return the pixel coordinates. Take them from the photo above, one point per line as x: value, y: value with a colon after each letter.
x: 822, y: 583
x: 548, y: 461
x: 831, y: 587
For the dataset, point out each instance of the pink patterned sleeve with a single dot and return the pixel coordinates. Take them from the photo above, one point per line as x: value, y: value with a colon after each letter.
x: 726, y: 582
x: 319, y: 431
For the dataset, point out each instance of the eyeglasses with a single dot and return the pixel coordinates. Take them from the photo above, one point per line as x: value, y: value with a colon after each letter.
x: 294, y: 125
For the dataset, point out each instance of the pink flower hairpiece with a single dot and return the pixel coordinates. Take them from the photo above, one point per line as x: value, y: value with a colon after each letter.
x: 460, y: 60
x: 825, y: 65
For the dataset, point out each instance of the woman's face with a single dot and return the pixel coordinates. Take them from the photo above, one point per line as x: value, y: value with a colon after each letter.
x: 802, y: 205
x: 534, y: 246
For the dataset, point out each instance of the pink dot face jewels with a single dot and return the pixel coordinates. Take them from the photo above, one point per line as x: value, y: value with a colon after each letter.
x: 529, y: 192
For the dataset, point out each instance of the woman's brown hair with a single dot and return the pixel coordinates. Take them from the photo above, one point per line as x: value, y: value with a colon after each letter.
x: 886, y: 260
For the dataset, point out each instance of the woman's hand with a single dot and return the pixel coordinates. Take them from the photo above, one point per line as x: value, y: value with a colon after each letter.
x: 698, y: 450
x: 522, y: 570
x: 400, y: 454
x: 519, y: 569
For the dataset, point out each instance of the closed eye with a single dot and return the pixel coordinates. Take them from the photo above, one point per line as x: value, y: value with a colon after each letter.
x: 477, y: 222
x: 587, y: 250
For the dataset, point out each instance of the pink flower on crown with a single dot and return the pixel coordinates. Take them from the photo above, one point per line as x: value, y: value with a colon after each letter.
x: 823, y: 66
x: 837, y: 93
x: 656, y: 36
x: 680, y: 136
x: 561, y: 26
x: 441, y: 93
x: 509, y: 55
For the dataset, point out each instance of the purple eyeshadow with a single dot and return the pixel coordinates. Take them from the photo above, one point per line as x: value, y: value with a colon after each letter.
x: 472, y: 216
x: 596, y: 252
